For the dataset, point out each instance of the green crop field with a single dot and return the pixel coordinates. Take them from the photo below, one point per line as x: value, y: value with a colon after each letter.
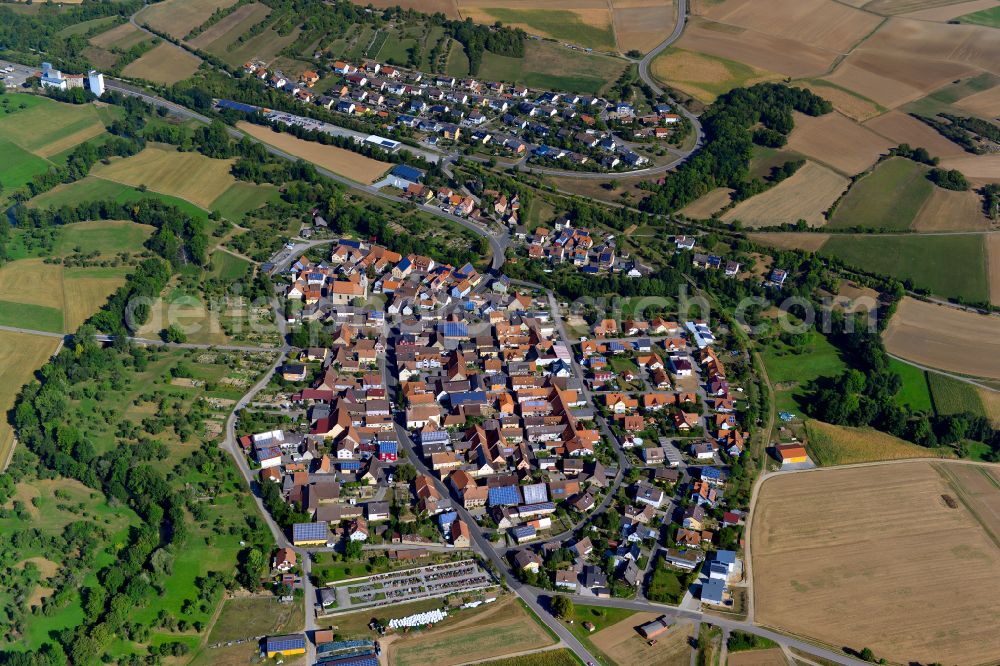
x: 548, y: 65
x: 44, y: 126
x: 888, y: 198
x: 558, y: 23
x: 93, y: 188
x: 86, y: 26
x: 790, y: 370
x: 949, y: 266
x: 915, y: 392
x: 228, y: 267
x: 107, y: 237
x: 241, y: 198
x: 988, y: 17
x: 31, y: 316
x: 18, y: 166
x: 952, y: 396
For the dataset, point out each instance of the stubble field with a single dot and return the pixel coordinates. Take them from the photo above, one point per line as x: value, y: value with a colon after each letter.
x: 178, y: 17
x: 837, y: 141
x: 947, y: 338
x: 809, y: 192
x: 825, y: 564
x: 164, y: 63
x: 20, y: 356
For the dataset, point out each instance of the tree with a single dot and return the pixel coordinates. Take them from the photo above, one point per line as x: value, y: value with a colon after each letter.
x: 174, y: 334
x: 562, y: 607
x: 353, y: 550
x: 867, y: 654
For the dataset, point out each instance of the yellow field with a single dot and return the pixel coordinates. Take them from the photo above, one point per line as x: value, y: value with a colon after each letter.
x: 983, y: 104
x: 977, y: 168
x: 768, y: 657
x: 947, y: 338
x: 20, y: 356
x: 845, y: 101
x: 179, y: 17
x: 122, y: 36
x: 840, y: 445
x: 902, y: 128
x: 165, y: 64
x: 837, y: 141
x: 991, y: 403
x: 804, y: 196
x: 253, y: 12
x: 338, y: 160
x: 189, y: 176
x: 705, y: 77
x: 791, y: 241
x: 949, y: 210
x: 591, y: 13
x: 833, y: 549
x: 704, y: 207
x: 84, y: 292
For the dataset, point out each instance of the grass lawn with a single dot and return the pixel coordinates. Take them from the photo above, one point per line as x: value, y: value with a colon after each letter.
x: 888, y: 198
x: 791, y: 370
x: 18, y: 166
x: 559, y: 24
x: 31, y: 316
x: 952, y: 396
x: 548, y: 65
x: 600, y: 616
x: 241, y: 198
x: 915, y: 393
x: 228, y: 267
x: 87, y: 26
x: 560, y: 657
x: 93, y: 188
x: 108, y: 237
x: 949, y: 266
x: 988, y: 17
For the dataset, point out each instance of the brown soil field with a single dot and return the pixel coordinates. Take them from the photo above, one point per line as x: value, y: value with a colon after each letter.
x: 845, y: 101
x: 985, y: 104
x: 344, y: 162
x: 993, y: 266
x: 179, y: 17
x: 892, y: 78
x: 903, y: 128
x: 621, y: 642
x: 834, y: 548
x: 225, y: 25
x: 190, y: 176
x: 447, y: 7
x: 642, y: 24
x: 769, y: 657
x: 504, y: 629
x: 970, y: 45
x: 837, y: 141
x: 166, y: 64
x: 124, y: 36
x: 811, y: 242
x: 979, y: 169
x: 774, y: 54
x: 950, y: 11
x: 822, y: 23
x: 590, y: 187
x: 947, y: 338
x: 804, y: 196
x: 976, y: 486
x: 889, y: 7
x: 20, y: 356
x: 702, y: 209
x: 948, y: 210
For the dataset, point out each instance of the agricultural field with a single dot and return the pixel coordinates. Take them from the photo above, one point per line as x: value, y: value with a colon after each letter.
x: 949, y: 210
x: 767, y: 657
x: 787, y: 240
x: 868, y: 572
x: 230, y: 27
x: 20, y: 355
x: 890, y: 197
x: 703, y: 76
x: 123, y: 36
x: 227, y: 266
x: 338, y: 160
x: 706, y: 206
x: 979, y: 169
x: 92, y: 188
x: 915, y: 392
x: 265, y: 46
x: 953, y: 396
x: 902, y: 128
x: 242, y: 198
x: 982, y: 104
x: 948, y: 98
x: 621, y: 643
x: 165, y: 63
x: 993, y: 252
x: 164, y: 169
x: 585, y: 23
x: 803, y: 196
x: 44, y: 127
x: 178, y: 17
x: 989, y: 17
x: 792, y: 369
x: 551, y: 657
x: 837, y: 141
x: 949, y: 266
x: 551, y: 66
x: 849, y: 103
x: 941, y: 337
x: 504, y: 627
x: 642, y: 24
x: 19, y: 166
x: 830, y: 445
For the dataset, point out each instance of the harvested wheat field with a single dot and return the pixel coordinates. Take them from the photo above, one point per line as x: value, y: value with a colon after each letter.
x: 991, y: 405
x: 642, y: 24
x: 848, y: 103
x: 944, y: 337
x: 788, y: 240
x: 948, y: 210
x: 768, y: 657
x: 823, y: 23
x: 979, y: 169
x: 85, y: 291
x: 804, y: 196
x: 834, y: 548
x: 165, y: 63
x: 703, y: 76
x: 892, y: 78
x: 767, y: 52
x: 212, y: 33
x: 190, y: 176
x: 993, y: 266
x: 344, y: 162
x: 178, y: 17
x: 891, y: 7
x: 837, y: 141
x: 624, y: 645
x: 903, y: 128
x: 950, y: 11
x: 985, y: 104
x: 20, y: 356
x: 123, y: 36
x: 970, y: 45
x: 704, y: 207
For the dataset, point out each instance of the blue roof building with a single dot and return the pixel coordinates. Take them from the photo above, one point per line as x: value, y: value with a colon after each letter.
x: 523, y: 532
x: 712, y: 591
x: 310, y: 533
x: 237, y: 106
x: 388, y: 447
x: 433, y: 436
x: 454, y: 329
x: 468, y: 397
x: 407, y: 173
x: 446, y: 519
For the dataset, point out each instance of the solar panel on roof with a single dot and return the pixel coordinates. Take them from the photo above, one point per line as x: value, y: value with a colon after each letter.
x: 289, y: 642
x: 309, y: 531
x: 535, y: 493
